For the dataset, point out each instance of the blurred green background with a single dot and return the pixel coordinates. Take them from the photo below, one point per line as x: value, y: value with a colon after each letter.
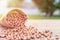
x: 37, y: 9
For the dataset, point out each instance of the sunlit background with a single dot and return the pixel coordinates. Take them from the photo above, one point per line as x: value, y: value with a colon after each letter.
x: 29, y: 7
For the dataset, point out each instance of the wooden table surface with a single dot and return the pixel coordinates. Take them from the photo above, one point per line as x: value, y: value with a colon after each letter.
x: 52, y: 25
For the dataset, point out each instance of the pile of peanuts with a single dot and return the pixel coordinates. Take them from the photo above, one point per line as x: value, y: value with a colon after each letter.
x: 14, y: 28
x: 30, y: 33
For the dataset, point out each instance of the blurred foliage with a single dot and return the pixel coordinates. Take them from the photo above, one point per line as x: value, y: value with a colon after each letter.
x: 47, y: 6
x: 0, y: 15
x: 35, y: 17
x: 58, y: 5
x: 15, y: 3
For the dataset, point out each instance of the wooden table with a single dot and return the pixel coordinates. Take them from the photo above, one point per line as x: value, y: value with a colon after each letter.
x: 52, y: 25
